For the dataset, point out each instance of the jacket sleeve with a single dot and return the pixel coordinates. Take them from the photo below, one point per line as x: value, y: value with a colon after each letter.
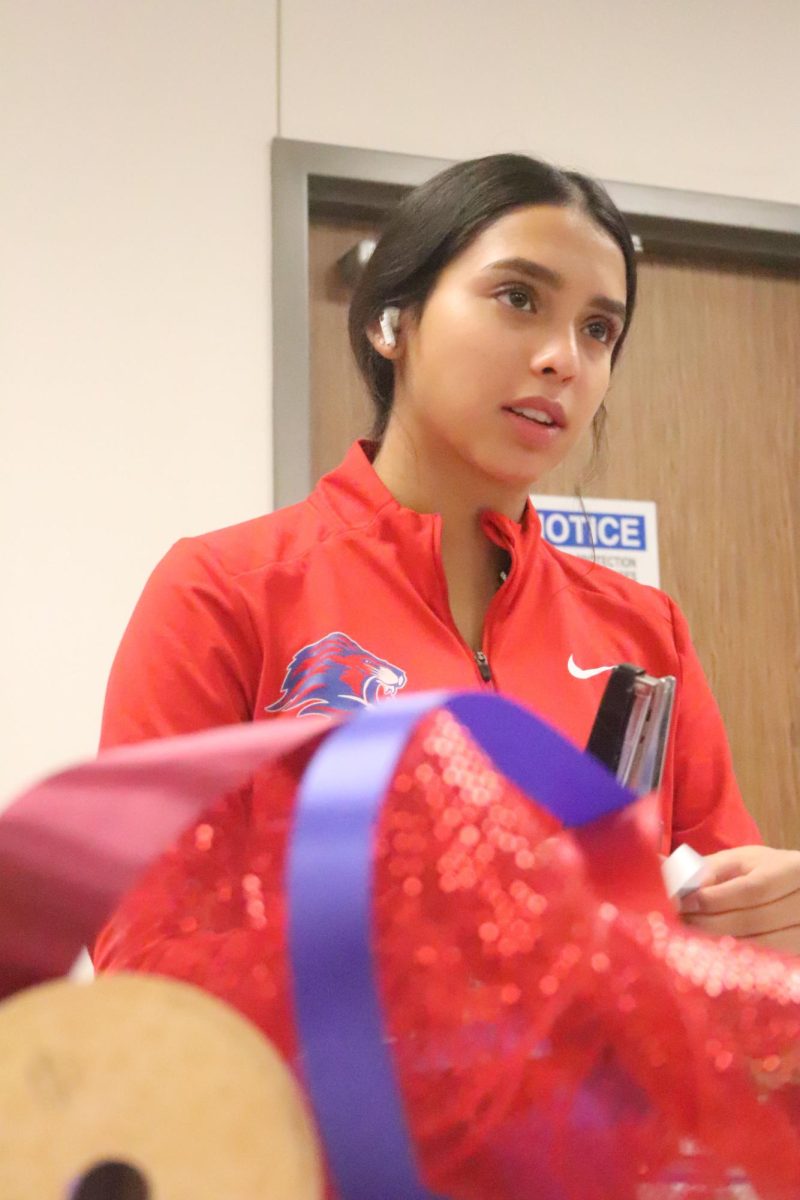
x: 189, y: 658
x: 708, y: 810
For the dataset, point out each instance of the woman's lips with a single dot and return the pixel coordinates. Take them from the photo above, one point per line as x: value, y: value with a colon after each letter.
x: 540, y: 410
x: 532, y: 433
x: 537, y: 422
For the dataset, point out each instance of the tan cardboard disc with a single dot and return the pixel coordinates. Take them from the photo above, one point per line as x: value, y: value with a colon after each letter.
x: 153, y: 1073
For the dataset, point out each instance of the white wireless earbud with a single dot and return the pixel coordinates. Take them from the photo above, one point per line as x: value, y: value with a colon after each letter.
x: 388, y: 322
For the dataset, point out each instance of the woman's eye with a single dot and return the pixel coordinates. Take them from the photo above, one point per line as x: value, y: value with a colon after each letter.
x: 601, y: 330
x: 517, y: 297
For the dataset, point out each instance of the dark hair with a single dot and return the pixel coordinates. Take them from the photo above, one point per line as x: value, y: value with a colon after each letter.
x: 436, y: 221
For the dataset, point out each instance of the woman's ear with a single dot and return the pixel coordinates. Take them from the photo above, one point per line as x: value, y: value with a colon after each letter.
x: 383, y: 333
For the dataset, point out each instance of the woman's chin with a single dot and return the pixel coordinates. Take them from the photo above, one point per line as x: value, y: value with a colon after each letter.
x: 514, y: 471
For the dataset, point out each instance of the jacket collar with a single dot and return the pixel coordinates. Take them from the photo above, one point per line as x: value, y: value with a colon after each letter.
x: 352, y: 493
x: 354, y: 496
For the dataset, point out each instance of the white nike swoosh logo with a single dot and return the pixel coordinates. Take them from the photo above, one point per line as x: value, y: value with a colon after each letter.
x: 580, y: 673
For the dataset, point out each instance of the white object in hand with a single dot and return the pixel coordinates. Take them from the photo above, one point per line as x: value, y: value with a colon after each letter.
x: 682, y: 872
x: 82, y: 970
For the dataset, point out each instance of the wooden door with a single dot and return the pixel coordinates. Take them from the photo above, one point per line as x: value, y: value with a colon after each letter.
x: 703, y: 419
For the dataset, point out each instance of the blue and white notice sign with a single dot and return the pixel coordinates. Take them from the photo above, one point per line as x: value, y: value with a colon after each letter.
x: 621, y: 534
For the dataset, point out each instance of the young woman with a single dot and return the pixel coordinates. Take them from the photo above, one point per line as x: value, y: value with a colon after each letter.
x: 486, y: 327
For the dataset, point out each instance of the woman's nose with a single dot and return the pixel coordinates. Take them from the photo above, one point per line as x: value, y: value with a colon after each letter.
x: 556, y: 353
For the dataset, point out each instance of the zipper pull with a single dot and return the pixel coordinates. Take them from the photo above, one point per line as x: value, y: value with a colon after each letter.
x: 483, y: 666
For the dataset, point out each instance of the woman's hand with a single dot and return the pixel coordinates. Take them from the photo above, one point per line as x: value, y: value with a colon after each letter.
x: 749, y: 892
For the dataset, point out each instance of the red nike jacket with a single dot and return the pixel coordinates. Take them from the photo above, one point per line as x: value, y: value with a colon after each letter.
x: 341, y: 600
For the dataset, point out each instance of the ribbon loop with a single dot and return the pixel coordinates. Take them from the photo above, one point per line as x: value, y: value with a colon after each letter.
x: 347, y: 1063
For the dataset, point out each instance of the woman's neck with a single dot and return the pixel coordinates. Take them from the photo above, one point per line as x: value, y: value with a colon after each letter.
x: 431, y: 478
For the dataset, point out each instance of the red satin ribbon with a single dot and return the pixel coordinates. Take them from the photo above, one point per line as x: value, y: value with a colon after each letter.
x: 73, y: 845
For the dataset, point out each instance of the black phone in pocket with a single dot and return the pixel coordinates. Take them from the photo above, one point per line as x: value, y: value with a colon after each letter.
x: 631, y: 729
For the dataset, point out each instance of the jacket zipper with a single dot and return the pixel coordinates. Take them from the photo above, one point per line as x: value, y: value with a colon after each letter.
x: 481, y: 659
x: 479, y: 656
x: 483, y: 667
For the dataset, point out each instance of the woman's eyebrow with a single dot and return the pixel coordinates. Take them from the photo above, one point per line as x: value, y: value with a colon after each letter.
x: 526, y: 266
x: 534, y: 270
x: 614, y: 307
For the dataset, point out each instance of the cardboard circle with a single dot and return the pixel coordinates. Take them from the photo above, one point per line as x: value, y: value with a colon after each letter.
x: 155, y: 1074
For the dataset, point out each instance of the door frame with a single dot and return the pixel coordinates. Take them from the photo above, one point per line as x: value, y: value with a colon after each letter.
x: 310, y: 178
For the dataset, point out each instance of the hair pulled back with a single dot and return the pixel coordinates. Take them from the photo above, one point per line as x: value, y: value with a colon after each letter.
x: 438, y: 220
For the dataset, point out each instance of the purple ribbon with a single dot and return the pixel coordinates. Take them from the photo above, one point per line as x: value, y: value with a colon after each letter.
x: 347, y: 1064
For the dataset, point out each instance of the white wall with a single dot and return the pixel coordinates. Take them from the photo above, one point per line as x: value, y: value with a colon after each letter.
x: 134, y: 326
x: 694, y: 94
x: 134, y: 255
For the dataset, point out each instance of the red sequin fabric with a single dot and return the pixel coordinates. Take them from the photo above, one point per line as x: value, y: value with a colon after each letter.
x: 558, y: 1034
